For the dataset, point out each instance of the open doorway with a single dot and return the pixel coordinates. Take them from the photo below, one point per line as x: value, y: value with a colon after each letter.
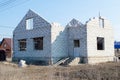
x: 76, y: 48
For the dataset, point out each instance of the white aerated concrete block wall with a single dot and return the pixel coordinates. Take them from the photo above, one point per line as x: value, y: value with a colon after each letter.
x: 41, y: 28
x: 59, y: 42
x: 77, y: 33
x: 94, y: 31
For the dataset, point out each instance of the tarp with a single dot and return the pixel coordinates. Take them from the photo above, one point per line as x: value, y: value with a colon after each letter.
x: 117, y: 45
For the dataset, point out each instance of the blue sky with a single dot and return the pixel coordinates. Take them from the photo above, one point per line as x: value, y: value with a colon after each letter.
x: 61, y: 11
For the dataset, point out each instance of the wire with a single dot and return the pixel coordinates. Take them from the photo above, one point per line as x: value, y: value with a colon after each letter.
x: 8, y: 6
x: 6, y: 3
x: 4, y: 35
x: 2, y: 1
x: 2, y: 26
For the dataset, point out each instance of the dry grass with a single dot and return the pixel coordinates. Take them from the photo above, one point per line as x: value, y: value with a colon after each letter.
x: 106, y: 71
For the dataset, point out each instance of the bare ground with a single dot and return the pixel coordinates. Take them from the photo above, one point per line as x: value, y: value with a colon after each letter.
x: 103, y: 71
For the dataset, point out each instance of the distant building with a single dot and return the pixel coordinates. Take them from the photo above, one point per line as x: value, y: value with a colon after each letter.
x: 36, y: 40
x: 117, y: 49
x: 6, y: 44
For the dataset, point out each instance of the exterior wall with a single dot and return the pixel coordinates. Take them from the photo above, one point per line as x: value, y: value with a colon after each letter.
x: 59, y: 42
x: 41, y: 28
x: 94, y: 31
x: 77, y: 31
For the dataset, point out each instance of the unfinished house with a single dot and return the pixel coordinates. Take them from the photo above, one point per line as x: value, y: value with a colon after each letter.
x: 38, y: 41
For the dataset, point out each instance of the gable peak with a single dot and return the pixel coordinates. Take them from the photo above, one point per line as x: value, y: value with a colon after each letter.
x: 30, y: 11
x: 74, y: 22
